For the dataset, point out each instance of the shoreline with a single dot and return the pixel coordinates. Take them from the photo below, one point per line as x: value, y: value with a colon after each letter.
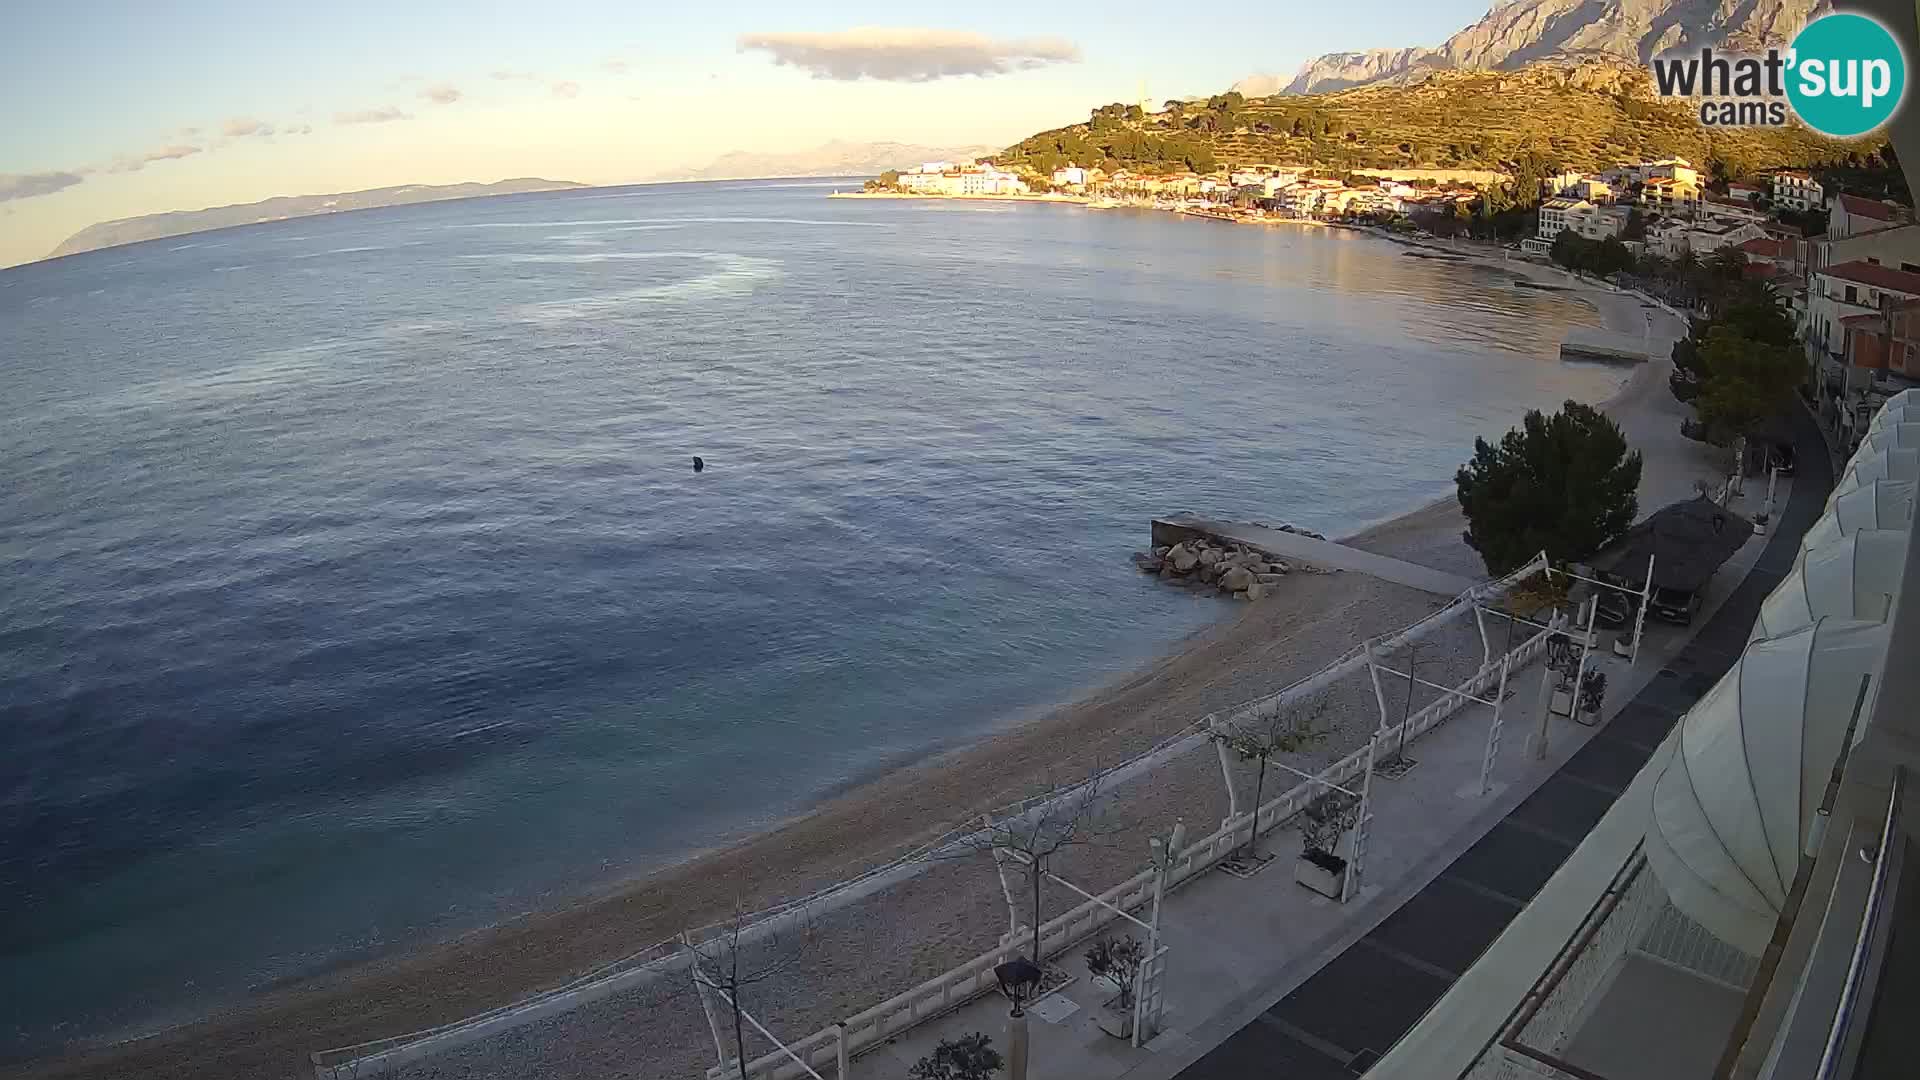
x: 443, y: 981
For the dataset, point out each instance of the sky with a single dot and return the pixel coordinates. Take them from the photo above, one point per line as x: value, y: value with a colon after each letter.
x: 116, y: 109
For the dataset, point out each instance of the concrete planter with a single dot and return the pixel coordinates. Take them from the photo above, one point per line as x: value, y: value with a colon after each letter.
x: 1324, y: 873
x: 1114, y: 1019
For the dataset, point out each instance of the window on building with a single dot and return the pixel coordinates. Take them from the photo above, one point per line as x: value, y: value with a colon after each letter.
x: 1853, y: 295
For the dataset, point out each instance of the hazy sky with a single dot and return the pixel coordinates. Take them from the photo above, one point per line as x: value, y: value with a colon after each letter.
x: 116, y: 109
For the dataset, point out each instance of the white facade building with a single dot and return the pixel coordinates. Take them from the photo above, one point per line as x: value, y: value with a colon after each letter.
x: 1796, y: 190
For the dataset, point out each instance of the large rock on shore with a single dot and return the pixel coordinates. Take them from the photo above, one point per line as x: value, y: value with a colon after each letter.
x: 1202, y: 562
x: 1183, y: 559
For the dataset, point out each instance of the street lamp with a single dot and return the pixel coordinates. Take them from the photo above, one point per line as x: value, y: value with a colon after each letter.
x: 1019, y: 980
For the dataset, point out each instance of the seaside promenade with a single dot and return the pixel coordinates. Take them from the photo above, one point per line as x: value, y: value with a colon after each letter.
x: 1266, y: 978
x: 1232, y: 941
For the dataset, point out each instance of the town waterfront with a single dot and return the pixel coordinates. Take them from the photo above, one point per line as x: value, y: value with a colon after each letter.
x: 359, y: 590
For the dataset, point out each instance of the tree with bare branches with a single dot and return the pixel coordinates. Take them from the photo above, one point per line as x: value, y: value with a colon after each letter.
x: 1035, y: 835
x: 742, y: 954
x: 1261, y: 738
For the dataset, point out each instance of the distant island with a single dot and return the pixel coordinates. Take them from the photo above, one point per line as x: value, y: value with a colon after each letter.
x: 834, y: 158
x: 181, y: 222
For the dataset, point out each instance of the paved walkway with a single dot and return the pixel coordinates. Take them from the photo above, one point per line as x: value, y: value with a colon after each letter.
x: 1339, y: 1021
x: 1325, y: 553
x: 1268, y: 979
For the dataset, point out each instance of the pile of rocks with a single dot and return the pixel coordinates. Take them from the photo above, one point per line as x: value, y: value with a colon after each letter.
x: 1234, y: 568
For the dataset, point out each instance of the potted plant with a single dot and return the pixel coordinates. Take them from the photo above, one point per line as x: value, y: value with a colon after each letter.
x: 969, y: 1057
x: 1593, y: 690
x: 1324, y: 821
x: 1117, y: 961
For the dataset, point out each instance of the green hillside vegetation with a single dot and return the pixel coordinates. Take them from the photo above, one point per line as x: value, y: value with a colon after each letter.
x: 1547, y: 116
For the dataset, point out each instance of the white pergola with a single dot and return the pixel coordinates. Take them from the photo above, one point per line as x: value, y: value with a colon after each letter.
x: 1851, y: 577
x: 1742, y: 794
x: 1882, y: 504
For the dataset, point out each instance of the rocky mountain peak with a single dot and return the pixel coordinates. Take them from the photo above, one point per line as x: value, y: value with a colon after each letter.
x: 1519, y: 32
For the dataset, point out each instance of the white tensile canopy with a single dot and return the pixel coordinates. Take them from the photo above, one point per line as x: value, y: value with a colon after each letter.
x: 1896, y: 410
x: 1852, y: 577
x: 1883, y: 504
x: 1902, y: 435
x: 1869, y: 465
x: 1747, y: 768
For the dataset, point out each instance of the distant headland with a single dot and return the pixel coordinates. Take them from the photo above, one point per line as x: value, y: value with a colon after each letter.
x: 181, y: 222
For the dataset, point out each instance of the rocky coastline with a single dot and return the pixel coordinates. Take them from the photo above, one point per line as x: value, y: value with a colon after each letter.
x: 1237, y: 570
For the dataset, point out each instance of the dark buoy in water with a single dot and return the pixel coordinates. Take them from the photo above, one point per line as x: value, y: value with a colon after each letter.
x: 698, y: 465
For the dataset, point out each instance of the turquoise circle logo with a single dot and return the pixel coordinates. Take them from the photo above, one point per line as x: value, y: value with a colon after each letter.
x: 1847, y: 75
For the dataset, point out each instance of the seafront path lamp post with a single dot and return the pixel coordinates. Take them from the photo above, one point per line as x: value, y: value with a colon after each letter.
x: 1019, y: 980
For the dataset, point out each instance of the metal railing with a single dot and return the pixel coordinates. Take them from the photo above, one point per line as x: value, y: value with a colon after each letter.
x: 961, y: 984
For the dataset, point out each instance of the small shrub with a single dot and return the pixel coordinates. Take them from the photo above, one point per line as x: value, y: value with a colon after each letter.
x: 1118, y: 959
x: 969, y: 1057
x: 1326, y: 818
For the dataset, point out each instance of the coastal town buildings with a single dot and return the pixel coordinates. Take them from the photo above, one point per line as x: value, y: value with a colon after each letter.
x: 1678, y: 236
x: 1671, y: 195
x: 1848, y: 296
x: 943, y: 178
x: 1577, y: 216
x: 1796, y: 190
x: 1885, y: 345
x: 1771, y: 258
x: 1851, y: 215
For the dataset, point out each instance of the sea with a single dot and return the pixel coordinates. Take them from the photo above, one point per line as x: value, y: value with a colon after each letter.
x: 357, y: 588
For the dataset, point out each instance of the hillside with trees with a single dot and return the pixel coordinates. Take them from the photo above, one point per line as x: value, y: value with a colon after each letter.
x: 1539, y: 120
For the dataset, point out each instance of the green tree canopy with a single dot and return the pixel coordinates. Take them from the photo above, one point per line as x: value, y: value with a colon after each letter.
x: 1564, y: 484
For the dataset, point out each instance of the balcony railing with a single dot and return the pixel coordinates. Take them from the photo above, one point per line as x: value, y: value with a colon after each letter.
x: 1631, y: 917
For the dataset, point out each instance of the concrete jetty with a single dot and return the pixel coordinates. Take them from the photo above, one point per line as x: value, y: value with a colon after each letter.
x: 1587, y: 343
x: 1294, y: 547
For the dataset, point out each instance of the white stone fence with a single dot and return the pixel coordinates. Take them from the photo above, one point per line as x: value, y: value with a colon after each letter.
x: 962, y: 984
x: 381, y: 1057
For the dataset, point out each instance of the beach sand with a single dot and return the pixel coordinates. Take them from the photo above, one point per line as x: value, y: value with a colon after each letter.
x: 870, y: 950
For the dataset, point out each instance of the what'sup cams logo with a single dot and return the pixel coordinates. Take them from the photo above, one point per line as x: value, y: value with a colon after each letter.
x: 1844, y: 75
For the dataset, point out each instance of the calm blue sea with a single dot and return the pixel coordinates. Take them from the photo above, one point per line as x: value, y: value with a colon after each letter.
x: 356, y: 589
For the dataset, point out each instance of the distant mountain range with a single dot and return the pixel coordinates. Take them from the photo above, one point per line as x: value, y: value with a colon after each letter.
x: 835, y: 158
x: 1519, y: 32
x: 180, y: 222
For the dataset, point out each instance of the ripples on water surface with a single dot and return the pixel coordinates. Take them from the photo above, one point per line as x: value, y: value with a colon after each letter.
x: 355, y: 587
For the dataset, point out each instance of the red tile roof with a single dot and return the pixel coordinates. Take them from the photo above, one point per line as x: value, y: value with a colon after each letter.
x: 1766, y: 248
x: 1880, y: 277
x: 1872, y: 208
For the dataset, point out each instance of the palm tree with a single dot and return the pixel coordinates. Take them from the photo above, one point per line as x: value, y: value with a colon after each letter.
x: 1729, y: 262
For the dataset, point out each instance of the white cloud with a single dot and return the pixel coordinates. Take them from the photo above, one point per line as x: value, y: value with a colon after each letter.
x: 901, y: 54
x: 618, y: 67
x: 127, y: 163
x: 303, y: 129
x: 441, y: 94
x: 381, y: 115
x: 511, y: 76
x: 242, y: 126
x: 566, y: 89
x: 28, y: 185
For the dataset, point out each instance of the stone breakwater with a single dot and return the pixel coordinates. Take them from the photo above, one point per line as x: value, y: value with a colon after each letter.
x: 1243, y: 572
